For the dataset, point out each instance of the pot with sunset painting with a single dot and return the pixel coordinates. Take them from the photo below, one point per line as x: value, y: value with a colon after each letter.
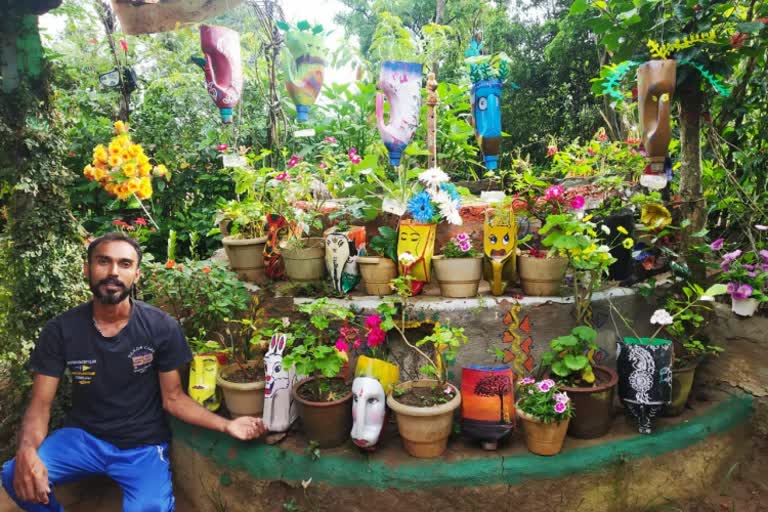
x: 488, y: 403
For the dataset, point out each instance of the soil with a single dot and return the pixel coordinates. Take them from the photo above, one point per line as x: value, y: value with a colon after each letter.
x: 324, y: 390
x: 425, y: 397
x: 600, y: 379
x: 246, y: 374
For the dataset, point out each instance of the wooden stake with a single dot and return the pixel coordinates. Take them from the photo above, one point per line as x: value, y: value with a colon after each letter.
x: 432, y: 100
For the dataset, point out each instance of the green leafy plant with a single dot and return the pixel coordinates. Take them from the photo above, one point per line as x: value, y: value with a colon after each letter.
x: 392, y: 41
x: 385, y: 243
x: 689, y: 318
x: 486, y: 67
x: 567, y: 356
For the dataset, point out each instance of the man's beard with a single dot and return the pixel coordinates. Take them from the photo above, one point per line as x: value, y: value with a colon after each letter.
x: 110, y: 298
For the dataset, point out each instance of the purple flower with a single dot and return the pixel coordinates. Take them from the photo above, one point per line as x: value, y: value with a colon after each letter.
x: 330, y: 140
x: 562, y: 398
x: 717, y: 244
x: 730, y: 289
x: 543, y: 386
x: 465, y: 246
x: 549, y: 382
x: 528, y: 380
x: 742, y: 292
x: 729, y: 258
x: 462, y: 237
x: 560, y: 407
x: 764, y: 255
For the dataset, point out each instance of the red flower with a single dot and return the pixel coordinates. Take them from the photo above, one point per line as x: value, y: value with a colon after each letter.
x: 738, y: 39
x: 295, y: 159
x: 179, y: 267
x: 205, y: 269
x: 124, y: 45
x: 602, y: 137
x: 141, y: 221
x: 120, y: 223
x: 551, y: 150
x: 223, y: 147
x: 170, y: 264
x: 282, y: 176
x: 632, y: 142
x: 355, y: 159
x: 591, y: 152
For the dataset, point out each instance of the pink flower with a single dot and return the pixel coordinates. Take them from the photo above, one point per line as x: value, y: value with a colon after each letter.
x: 744, y: 291
x: 462, y: 237
x: 282, y: 176
x: 124, y: 45
x: 577, y: 203
x: 355, y: 159
x: 352, y: 151
x: 528, y: 380
x: 357, y: 343
x: 551, y: 150
x: 591, y: 152
x: 602, y: 137
x: 295, y: 159
x: 717, y: 244
x: 92, y: 40
x: 764, y: 255
x: 322, y: 165
x: 372, y: 321
x: 544, y: 386
x: 560, y: 407
x: 376, y: 337
x: 330, y: 140
x: 141, y: 221
x: 465, y: 246
x: 761, y: 227
x: 562, y: 397
x: 341, y: 345
x: 554, y: 192
x: 633, y: 141
x: 222, y: 147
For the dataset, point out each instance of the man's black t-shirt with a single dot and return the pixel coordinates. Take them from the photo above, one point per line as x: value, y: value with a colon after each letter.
x: 115, y: 385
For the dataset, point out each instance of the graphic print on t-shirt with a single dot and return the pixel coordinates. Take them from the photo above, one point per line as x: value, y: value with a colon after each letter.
x: 142, y: 358
x: 82, y: 370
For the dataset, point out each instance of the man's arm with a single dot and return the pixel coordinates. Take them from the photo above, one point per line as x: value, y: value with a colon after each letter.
x: 30, y: 480
x: 179, y: 404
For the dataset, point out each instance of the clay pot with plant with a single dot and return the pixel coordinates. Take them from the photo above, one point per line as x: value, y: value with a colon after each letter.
x: 590, y: 386
x: 324, y: 397
x: 243, y: 381
x: 303, y: 247
x: 380, y: 268
x: 425, y: 407
x: 459, y: 268
x: 545, y: 411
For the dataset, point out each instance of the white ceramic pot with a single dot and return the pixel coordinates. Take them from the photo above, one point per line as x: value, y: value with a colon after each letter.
x: 744, y: 307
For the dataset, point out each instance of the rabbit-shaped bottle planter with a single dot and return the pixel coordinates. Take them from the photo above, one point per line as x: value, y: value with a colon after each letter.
x: 222, y: 66
x: 279, y: 408
x: 655, y: 87
x: 400, y: 83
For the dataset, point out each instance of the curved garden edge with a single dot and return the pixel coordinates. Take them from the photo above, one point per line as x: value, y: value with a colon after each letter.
x: 264, y: 462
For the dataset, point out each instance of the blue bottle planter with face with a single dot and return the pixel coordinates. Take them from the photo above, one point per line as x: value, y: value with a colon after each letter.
x: 486, y: 116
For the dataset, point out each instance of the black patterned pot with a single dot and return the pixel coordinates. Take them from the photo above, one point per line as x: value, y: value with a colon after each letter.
x: 645, y: 377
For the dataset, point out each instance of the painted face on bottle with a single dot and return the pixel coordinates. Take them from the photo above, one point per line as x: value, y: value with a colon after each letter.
x: 418, y: 240
x: 368, y: 411
x: 499, y: 236
x: 486, y: 114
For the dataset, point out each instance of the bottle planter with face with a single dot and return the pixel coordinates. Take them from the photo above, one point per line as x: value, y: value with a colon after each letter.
x: 486, y: 118
x: 415, y: 247
x: 499, y: 246
x: 374, y: 378
x: 655, y: 87
x: 341, y: 252
x: 202, y: 381
x: 222, y: 66
x: 400, y: 83
x: 279, y: 408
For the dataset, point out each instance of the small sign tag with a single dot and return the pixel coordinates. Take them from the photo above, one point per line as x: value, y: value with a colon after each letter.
x: 231, y: 160
x: 393, y: 206
x: 307, y: 132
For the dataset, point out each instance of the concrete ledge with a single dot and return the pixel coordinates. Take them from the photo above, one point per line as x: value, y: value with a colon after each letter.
x: 624, y: 471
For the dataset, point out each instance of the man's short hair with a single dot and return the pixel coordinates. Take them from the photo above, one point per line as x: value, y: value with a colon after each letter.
x: 114, y: 236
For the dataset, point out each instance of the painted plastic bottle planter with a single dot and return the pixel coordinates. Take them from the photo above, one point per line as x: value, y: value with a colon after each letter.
x: 341, y: 252
x: 500, y: 247
x: 374, y: 378
x: 222, y: 66
x: 417, y: 241
x: 486, y: 118
x: 280, y: 410
x: 645, y: 377
x: 655, y: 87
x: 400, y: 83
x: 487, y: 406
x: 304, y: 64
x: 202, y: 381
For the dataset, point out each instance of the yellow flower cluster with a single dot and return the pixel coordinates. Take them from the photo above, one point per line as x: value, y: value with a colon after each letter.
x: 122, y: 169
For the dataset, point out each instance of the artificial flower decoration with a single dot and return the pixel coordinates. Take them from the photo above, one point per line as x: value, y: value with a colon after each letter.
x: 439, y: 199
x: 655, y: 216
x: 122, y: 169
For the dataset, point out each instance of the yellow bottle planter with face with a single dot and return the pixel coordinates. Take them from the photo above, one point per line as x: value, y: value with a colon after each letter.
x: 202, y: 381
x: 418, y: 240
x: 500, y: 247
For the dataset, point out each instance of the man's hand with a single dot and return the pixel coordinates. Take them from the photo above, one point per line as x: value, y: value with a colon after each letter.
x: 30, y: 479
x: 245, y: 428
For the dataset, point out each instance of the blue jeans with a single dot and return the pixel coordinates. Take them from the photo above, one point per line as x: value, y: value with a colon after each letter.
x: 144, y: 473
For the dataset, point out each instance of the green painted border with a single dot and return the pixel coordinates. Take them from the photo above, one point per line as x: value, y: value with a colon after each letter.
x: 266, y: 462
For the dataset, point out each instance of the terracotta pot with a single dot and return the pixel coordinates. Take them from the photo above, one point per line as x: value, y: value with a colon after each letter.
x: 682, y: 382
x: 307, y: 263
x: 542, y: 438
x: 242, y: 399
x: 592, y: 407
x: 424, y: 430
x: 327, y: 423
x: 458, y: 277
x: 246, y: 257
x: 744, y: 307
x: 377, y: 272
x: 541, y: 276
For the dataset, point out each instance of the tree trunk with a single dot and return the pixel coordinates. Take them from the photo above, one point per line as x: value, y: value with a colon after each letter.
x: 693, y: 202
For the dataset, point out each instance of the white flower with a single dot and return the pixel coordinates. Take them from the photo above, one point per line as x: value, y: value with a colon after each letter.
x: 707, y: 298
x: 605, y: 229
x: 661, y: 317
x: 406, y: 258
x: 441, y: 197
x: 433, y: 177
x: 286, y: 321
x: 450, y: 212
